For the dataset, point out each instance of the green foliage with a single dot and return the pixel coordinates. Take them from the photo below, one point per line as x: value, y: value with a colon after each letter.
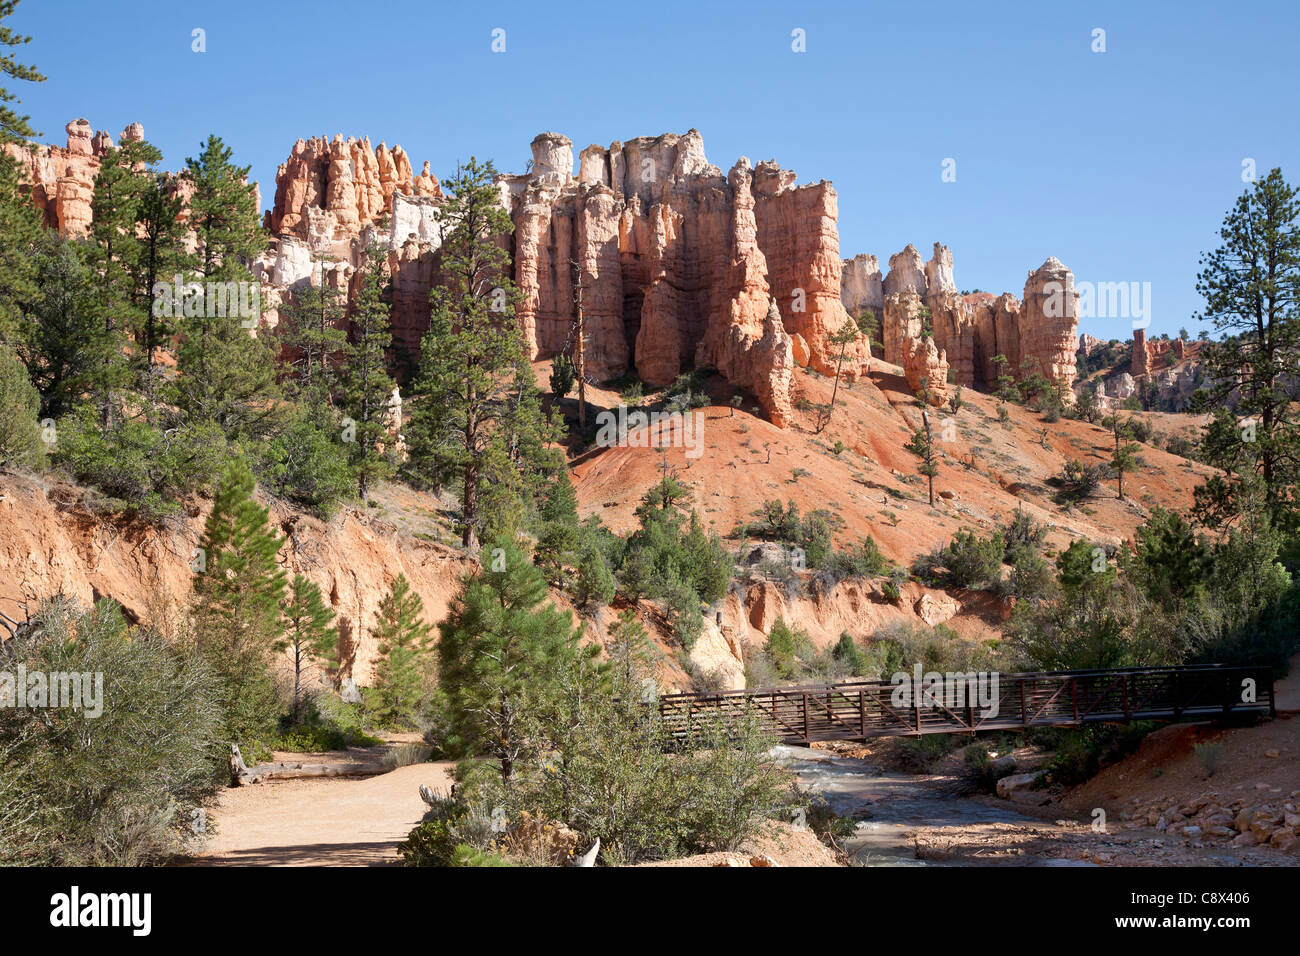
x: 563, y: 376
x: 1082, y: 480
x: 142, y: 469
x: 972, y: 561
x: 784, y: 647
x: 305, y: 463
x: 1080, y: 753
x: 1169, y: 563
x: 307, y: 633
x: 227, y: 376
x: 1124, y: 457
x: 367, y: 387
x: 501, y: 650
x: 21, y: 444
x: 400, y: 675
x: 811, y: 533
x: 114, y: 788
x: 596, y: 584
x: 1022, y: 533
x: 477, y: 419
x: 1250, y: 285
x: 608, y: 768
x: 559, y: 534
x: 311, y: 331
x: 1086, y: 407
x: 239, y: 590
x: 863, y: 560
x: 900, y: 647
x: 850, y: 655
x: 671, y: 558
x: 923, y: 448
x: 319, y: 738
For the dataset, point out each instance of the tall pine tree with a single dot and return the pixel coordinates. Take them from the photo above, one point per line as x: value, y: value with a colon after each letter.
x: 503, y: 654
x: 1251, y: 287
x: 308, y: 633
x: 228, y: 373
x: 472, y: 364
x: 238, y: 592
x: 367, y: 387
x: 400, y: 678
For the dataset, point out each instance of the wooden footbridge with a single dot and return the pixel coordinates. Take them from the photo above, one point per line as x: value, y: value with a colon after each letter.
x: 860, y: 709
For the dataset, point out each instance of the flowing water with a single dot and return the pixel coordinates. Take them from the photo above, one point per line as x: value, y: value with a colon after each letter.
x: 890, y: 804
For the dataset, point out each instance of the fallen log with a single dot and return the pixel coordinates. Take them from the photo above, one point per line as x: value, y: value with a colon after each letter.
x: 243, y: 775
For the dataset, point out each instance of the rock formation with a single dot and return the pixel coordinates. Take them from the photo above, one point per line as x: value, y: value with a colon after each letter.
x: 926, y: 369
x: 333, y: 198
x: 1140, y: 362
x: 861, y: 286
x: 62, y: 179
x: 1049, y: 322
x: 677, y: 265
x: 969, y: 330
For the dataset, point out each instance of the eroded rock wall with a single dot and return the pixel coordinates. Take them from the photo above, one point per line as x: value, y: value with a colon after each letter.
x: 678, y: 265
x: 1039, y: 333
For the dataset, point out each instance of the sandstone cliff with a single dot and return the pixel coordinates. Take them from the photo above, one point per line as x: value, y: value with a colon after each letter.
x: 969, y: 330
x: 677, y: 264
x: 62, y: 179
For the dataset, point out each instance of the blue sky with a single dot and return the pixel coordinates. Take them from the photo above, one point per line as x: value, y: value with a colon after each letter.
x: 1121, y: 163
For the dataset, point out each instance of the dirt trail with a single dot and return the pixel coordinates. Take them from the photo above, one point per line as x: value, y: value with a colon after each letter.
x: 328, y: 822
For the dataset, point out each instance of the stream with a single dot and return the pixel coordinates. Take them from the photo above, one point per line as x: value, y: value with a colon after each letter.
x: 891, y: 803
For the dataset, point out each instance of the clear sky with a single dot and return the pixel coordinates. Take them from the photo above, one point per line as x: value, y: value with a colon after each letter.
x: 1121, y: 163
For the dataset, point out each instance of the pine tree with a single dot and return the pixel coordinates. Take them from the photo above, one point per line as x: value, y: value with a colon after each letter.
x: 160, y: 258
x: 20, y: 224
x: 59, y: 328
x: 502, y: 652
x: 631, y: 654
x: 922, y: 446
x: 120, y: 186
x: 558, y: 536
x: 311, y: 328
x: 308, y: 633
x: 1124, y: 456
x: 228, y: 373
x: 595, y: 582
x: 238, y: 592
x: 13, y: 126
x: 20, y: 433
x: 400, y: 680
x: 1251, y: 287
x: 847, y: 334
x: 471, y: 358
x: 367, y: 386
x: 223, y: 213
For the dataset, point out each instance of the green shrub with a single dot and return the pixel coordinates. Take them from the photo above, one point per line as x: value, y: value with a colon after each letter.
x: 849, y: 655
x: 784, y: 647
x: 406, y: 755
x: 141, y: 469
x: 972, y: 561
x: 21, y: 444
x: 119, y: 788
x: 863, y: 560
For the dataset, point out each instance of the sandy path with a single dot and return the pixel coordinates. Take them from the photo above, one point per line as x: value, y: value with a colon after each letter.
x: 338, y: 822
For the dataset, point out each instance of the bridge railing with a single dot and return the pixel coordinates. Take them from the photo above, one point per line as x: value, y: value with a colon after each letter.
x: 860, y: 709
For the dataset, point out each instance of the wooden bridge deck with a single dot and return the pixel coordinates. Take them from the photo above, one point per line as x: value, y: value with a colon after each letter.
x: 860, y: 709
